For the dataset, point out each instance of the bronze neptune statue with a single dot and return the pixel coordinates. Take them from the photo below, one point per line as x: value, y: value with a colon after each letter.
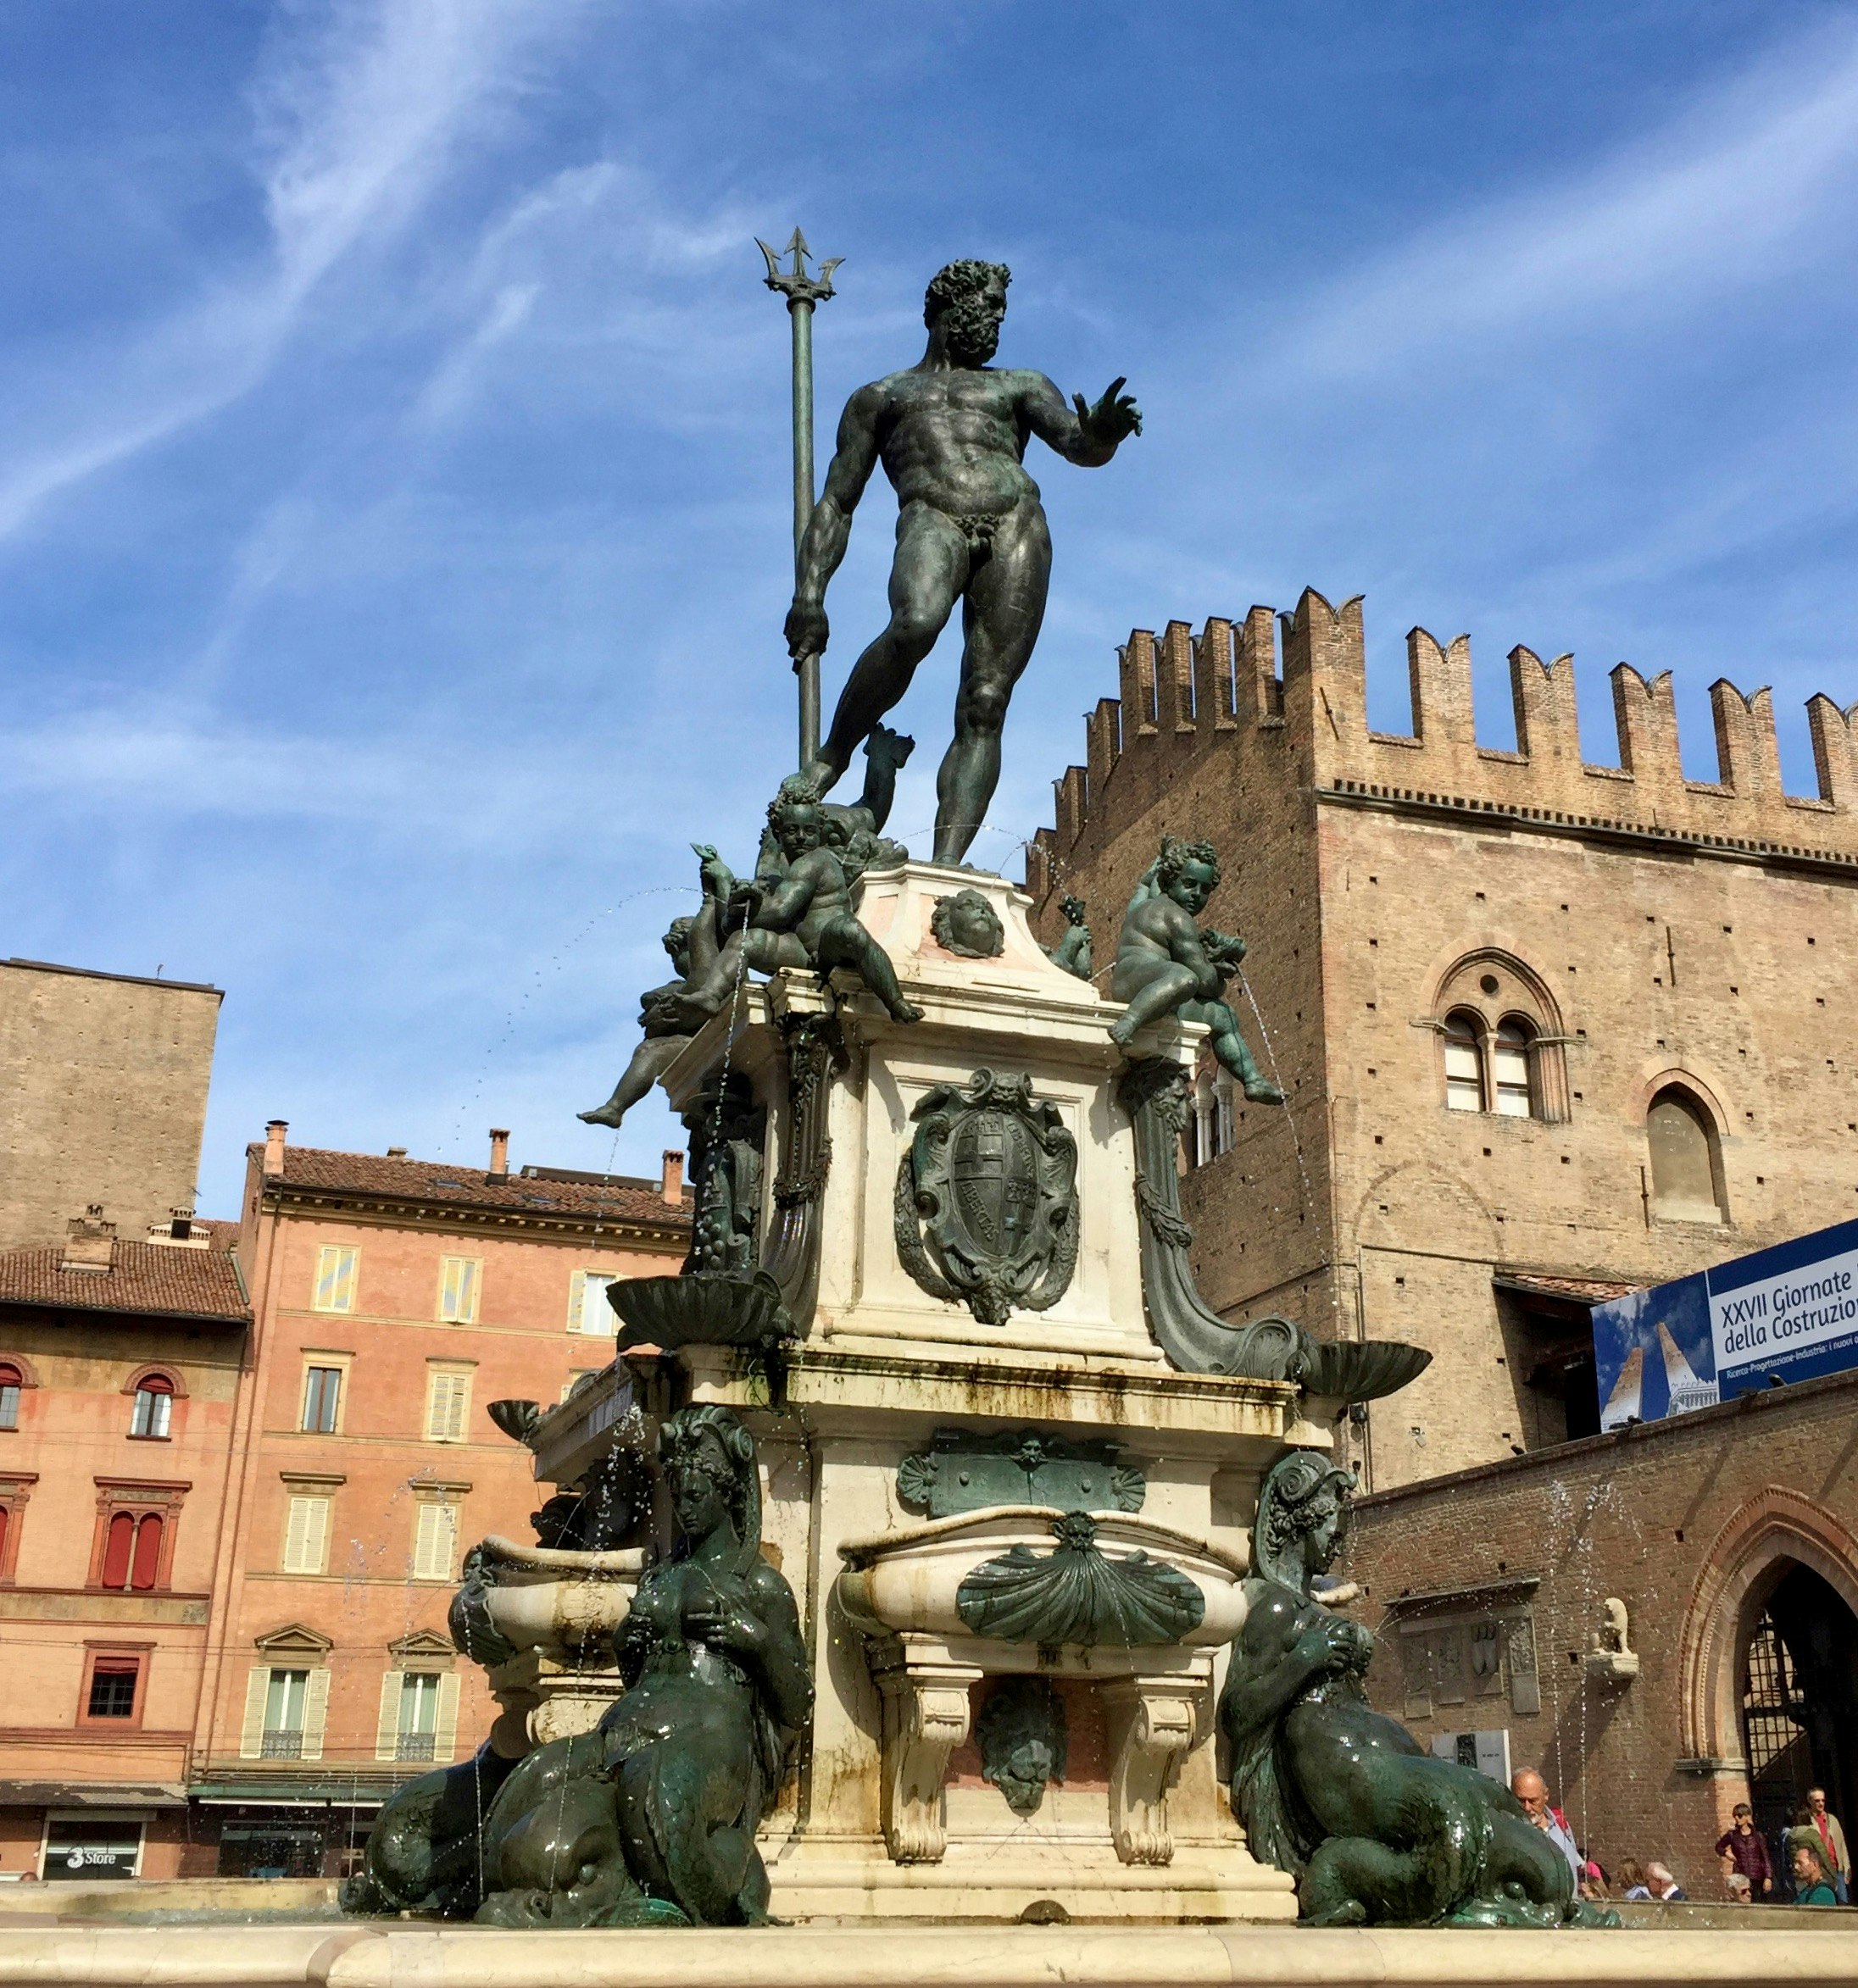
x: 1374, y: 1829
x: 650, y: 1819
x: 951, y: 433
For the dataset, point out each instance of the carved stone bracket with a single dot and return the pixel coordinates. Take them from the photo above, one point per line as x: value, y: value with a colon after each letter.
x: 790, y: 1252
x: 1153, y: 1724
x: 926, y: 1718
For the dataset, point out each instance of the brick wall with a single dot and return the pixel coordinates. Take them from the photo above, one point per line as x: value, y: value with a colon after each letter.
x: 1655, y: 930
x: 1692, y: 1523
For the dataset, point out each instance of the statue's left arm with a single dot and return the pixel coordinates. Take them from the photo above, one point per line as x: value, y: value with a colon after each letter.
x: 1080, y: 433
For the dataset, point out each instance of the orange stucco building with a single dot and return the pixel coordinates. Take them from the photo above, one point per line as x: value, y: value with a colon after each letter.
x: 119, y: 1368
x: 392, y: 1299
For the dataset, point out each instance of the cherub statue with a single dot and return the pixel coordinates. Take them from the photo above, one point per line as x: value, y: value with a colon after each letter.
x: 665, y: 1034
x: 1072, y: 952
x: 671, y: 1015
x: 650, y: 1819
x: 1373, y: 1827
x: 1166, y: 964
x: 801, y: 918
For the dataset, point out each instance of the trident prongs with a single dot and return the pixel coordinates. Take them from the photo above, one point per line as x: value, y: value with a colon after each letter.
x: 795, y: 284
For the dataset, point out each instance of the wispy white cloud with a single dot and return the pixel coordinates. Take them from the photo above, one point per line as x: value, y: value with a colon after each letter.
x: 1761, y: 175
x: 359, y: 122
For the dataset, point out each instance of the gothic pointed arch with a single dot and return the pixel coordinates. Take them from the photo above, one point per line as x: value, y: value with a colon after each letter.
x: 1758, y: 1544
x: 1492, y: 1004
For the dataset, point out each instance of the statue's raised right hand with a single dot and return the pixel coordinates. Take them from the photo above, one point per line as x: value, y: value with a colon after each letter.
x: 806, y: 629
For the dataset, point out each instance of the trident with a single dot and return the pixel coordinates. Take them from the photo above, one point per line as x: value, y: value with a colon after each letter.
x: 802, y: 292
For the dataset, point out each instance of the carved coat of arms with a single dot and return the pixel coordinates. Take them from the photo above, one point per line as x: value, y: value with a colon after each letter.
x: 986, y: 1198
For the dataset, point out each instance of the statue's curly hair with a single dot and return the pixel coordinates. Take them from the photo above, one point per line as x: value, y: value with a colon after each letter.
x: 796, y: 790
x: 1292, y: 1500
x: 1176, y: 854
x: 957, y: 280
x: 680, y: 1438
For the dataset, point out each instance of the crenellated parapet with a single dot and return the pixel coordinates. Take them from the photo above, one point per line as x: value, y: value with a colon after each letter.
x: 1292, y: 688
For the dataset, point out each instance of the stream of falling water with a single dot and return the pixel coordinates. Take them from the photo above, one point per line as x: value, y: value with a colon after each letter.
x: 1276, y: 1077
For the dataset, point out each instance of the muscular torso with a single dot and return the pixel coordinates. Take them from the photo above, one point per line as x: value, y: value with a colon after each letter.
x: 954, y: 439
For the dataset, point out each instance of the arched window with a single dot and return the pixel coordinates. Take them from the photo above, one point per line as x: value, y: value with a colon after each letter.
x: 1464, y: 1062
x: 133, y: 1551
x: 1509, y: 1065
x: 154, y: 1405
x: 1686, y: 1173
x: 1503, y: 1040
x: 11, y: 1381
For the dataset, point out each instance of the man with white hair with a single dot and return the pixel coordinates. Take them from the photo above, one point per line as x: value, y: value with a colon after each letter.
x: 1664, y: 1887
x: 1532, y: 1792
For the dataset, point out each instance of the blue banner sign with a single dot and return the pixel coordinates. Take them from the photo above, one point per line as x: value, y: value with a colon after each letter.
x: 1785, y: 1313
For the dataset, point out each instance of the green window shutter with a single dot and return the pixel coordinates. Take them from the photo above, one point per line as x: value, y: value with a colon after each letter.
x: 252, y: 1733
x: 387, y: 1731
x: 316, y: 1713
x: 445, y: 1734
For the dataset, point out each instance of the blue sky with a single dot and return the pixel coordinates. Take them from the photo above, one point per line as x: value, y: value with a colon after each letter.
x: 394, y: 500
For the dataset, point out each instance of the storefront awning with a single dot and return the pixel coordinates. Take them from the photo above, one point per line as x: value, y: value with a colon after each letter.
x: 93, y: 1795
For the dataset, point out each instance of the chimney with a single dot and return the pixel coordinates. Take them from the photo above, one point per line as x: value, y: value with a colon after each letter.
x: 274, y: 1131
x: 670, y: 1180
x: 499, y: 1154
x: 396, y: 1152
x: 89, y: 1241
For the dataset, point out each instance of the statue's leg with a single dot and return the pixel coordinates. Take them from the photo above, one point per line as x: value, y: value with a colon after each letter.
x: 1170, y: 985
x: 1000, y: 623
x: 1229, y: 1047
x: 926, y: 581
x: 845, y: 942
x: 654, y: 1055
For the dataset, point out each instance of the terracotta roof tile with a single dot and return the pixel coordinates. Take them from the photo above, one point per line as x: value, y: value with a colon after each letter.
x: 317, y: 1170
x: 1585, y: 1291
x: 152, y: 1278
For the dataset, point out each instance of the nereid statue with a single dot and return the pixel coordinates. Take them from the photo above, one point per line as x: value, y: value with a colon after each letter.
x: 1374, y: 1829
x: 651, y: 1818
x: 951, y: 433
x: 1167, y: 964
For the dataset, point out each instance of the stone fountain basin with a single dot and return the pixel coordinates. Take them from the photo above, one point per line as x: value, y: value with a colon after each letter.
x: 544, y: 1597
x: 906, y: 1582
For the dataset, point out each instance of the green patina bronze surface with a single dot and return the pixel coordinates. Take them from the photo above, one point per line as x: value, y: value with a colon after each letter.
x: 1079, y: 1595
x: 1374, y: 1830
x: 986, y: 1203
x: 966, y: 1470
x: 1167, y: 964
x: 1024, y: 1741
x: 1072, y: 952
x: 651, y: 1818
x: 968, y: 926
x: 951, y: 433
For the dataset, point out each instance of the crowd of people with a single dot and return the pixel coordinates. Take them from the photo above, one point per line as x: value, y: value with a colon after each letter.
x: 1808, y: 1865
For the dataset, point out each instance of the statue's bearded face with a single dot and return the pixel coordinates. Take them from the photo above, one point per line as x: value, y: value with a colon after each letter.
x: 970, y: 323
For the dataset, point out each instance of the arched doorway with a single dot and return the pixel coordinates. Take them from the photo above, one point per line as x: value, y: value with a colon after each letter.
x: 1799, y: 1699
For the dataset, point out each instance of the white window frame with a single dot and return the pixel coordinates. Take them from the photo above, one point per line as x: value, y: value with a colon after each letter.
x: 435, y: 1533
x: 589, y: 1314
x: 306, y: 1526
x: 338, y: 1273
x: 459, y: 1281
x: 448, y: 1401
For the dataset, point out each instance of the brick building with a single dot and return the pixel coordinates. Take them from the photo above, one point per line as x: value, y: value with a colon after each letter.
x: 392, y: 1299
x: 1729, y: 1539
x: 119, y: 1365
x: 102, y: 1097
x: 1549, y: 1030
